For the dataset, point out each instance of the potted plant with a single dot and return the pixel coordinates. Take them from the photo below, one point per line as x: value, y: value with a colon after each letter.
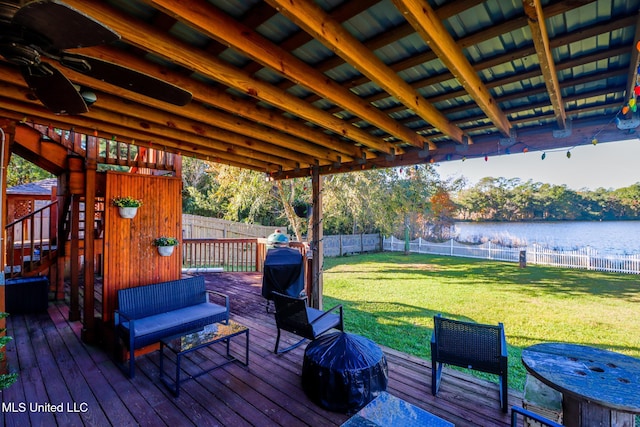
x: 165, y: 245
x: 127, y: 206
x: 302, y: 208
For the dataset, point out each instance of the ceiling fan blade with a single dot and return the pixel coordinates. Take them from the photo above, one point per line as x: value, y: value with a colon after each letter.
x: 53, y: 89
x: 55, y: 25
x: 127, y: 78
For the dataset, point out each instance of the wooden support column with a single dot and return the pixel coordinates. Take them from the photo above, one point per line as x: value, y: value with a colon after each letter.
x: 6, y: 138
x: 74, y: 260
x: 89, y: 329
x: 317, y: 243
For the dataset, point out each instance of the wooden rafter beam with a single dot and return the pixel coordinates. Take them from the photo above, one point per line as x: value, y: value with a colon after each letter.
x: 12, y: 110
x: 325, y: 29
x: 540, y: 36
x: 107, y: 130
x: 425, y: 21
x: 217, y: 136
x: 208, y: 20
x: 216, y: 97
x: 147, y: 37
x: 125, y: 128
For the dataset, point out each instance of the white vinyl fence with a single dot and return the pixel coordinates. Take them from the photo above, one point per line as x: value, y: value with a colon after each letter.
x: 586, y: 258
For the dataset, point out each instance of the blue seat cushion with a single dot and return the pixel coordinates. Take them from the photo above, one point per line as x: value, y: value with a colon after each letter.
x: 153, y: 328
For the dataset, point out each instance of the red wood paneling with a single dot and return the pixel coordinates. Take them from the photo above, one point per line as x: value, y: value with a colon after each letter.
x: 130, y: 259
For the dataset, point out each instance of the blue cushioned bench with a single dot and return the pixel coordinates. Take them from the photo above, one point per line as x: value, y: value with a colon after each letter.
x: 147, y: 314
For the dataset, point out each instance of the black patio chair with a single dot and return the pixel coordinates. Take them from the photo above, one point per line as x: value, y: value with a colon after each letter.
x: 469, y: 345
x: 293, y: 315
x: 516, y: 410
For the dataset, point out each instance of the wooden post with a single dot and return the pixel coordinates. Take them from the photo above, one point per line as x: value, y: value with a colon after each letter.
x: 74, y: 260
x: 6, y: 136
x: 89, y: 329
x: 317, y: 243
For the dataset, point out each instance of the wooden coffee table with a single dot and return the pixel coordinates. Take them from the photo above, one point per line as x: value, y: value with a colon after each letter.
x: 183, y: 344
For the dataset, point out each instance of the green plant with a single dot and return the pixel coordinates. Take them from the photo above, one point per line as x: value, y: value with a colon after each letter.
x: 6, y: 380
x: 165, y: 241
x: 126, y: 202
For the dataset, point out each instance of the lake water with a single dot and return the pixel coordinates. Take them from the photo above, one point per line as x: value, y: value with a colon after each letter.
x: 607, y: 237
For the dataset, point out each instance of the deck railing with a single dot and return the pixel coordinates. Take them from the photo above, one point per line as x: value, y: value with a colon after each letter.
x: 230, y: 255
x: 111, y: 151
x: 31, y: 240
x: 225, y: 254
x: 585, y: 258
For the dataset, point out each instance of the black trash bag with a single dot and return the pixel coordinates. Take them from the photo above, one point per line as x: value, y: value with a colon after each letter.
x: 343, y: 372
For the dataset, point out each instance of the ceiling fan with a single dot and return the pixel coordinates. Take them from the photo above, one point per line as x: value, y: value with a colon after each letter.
x: 45, y: 28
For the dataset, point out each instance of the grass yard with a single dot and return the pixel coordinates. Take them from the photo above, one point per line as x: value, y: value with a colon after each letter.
x: 391, y: 298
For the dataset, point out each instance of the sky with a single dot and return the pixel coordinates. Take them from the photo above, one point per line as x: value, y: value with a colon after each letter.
x: 608, y: 165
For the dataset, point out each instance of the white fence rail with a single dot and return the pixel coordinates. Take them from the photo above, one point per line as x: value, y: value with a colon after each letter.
x: 586, y: 258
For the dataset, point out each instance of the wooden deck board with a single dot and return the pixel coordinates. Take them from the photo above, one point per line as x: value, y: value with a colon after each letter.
x: 56, y: 367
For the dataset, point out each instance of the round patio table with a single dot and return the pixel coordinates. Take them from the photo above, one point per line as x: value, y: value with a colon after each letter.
x: 599, y: 387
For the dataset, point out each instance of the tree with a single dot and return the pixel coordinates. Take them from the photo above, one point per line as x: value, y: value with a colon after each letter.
x: 442, y: 214
x: 21, y: 171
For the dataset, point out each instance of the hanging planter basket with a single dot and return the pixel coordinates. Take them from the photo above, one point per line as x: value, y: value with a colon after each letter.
x: 165, y: 245
x: 128, y: 212
x: 302, y: 210
x: 127, y: 206
x: 165, y: 250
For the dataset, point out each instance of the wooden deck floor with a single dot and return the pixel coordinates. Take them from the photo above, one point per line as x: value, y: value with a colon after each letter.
x: 57, y: 371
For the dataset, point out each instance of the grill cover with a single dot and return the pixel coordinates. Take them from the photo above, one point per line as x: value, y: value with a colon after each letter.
x: 343, y: 372
x: 283, y: 272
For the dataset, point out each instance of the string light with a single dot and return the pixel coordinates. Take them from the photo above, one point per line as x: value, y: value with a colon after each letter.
x: 544, y: 156
x: 568, y: 154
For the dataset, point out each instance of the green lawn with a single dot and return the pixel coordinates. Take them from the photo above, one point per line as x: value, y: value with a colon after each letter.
x: 391, y: 298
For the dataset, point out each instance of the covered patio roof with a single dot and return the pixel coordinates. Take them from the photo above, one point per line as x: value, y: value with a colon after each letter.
x: 284, y: 87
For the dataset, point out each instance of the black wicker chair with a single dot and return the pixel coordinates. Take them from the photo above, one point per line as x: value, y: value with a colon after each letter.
x: 515, y: 411
x: 469, y: 345
x: 293, y: 315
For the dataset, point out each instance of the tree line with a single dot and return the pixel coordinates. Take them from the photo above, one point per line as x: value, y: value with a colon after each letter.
x: 413, y: 201
x: 502, y: 199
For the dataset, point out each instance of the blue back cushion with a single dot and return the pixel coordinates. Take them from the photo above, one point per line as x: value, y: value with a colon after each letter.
x: 147, y: 300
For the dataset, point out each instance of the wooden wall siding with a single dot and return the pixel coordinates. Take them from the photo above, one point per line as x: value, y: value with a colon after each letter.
x: 130, y: 259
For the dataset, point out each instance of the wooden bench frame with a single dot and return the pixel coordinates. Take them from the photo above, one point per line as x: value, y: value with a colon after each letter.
x: 157, y: 311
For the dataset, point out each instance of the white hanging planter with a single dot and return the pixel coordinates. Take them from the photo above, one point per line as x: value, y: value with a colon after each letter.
x: 128, y: 212
x: 165, y: 250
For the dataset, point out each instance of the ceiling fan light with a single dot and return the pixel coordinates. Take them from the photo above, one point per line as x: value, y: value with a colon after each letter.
x: 89, y: 97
